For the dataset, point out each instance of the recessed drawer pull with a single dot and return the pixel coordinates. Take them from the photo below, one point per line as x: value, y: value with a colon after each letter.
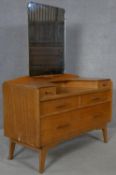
x: 48, y: 92
x: 97, y: 115
x: 62, y: 106
x: 63, y: 126
x: 95, y: 98
x: 104, y: 84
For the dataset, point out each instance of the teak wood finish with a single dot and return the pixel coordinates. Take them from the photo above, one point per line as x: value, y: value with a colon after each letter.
x: 42, y: 111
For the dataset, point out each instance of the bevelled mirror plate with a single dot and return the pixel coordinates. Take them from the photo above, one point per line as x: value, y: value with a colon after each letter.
x: 46, y: 39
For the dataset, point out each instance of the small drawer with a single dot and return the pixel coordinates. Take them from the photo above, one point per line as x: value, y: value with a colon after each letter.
x: 95, y: 98
x: 47, y: 91
x: 96, y: 114
x: 104, y: 84
x: 51, y: 106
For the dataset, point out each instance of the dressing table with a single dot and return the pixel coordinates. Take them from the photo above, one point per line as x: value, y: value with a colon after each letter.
x: 47, y: 108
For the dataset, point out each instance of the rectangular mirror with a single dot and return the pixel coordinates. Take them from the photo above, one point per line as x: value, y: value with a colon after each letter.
x: 46, y: 39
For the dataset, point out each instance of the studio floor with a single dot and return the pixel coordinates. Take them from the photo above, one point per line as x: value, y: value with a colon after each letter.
x: 85, y: 155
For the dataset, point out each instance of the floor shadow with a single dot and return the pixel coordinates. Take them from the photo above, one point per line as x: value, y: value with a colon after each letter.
x: 19, y: 152
x: 68, y: 147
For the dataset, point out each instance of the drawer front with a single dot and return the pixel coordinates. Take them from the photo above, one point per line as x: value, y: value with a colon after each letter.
x: 52, y: 106
x: 47, y: 91
x: 95, y: 98
x: 104, y: 84
x: 74, y: 123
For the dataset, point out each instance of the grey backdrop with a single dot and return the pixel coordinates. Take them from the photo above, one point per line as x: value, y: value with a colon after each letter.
x: 90, y: 40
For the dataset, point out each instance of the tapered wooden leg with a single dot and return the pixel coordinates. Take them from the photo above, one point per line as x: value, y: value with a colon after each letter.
x: 42, y: 158
x: 105, y: 134
x: 11, y: 149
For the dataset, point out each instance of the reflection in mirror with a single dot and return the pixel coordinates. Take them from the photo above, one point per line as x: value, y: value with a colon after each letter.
x: 46, y: 39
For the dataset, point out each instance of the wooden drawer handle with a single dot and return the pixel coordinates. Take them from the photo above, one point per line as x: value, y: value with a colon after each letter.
x: 104, y: 84
x: 96, y: 99
x: 48, y: 92
x: 63, y: 126
x: 97, y: 115
x: 62, y: 106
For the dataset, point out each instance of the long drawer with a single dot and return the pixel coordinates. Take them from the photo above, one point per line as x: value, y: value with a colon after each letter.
x: 51, y: 106
x: 59, y: 127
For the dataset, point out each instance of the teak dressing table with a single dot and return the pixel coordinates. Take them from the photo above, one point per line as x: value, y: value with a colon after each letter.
x: 43, y: 111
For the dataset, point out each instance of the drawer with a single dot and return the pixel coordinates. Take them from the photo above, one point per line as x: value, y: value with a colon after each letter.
x: 95, y: 98
x: 47, y: 91
x: 104, y: 84
x: 96, y: 115
x: 66, y: 125
x: 51, y: 106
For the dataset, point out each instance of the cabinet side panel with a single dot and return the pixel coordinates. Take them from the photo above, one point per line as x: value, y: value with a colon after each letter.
x: 21, y: 114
